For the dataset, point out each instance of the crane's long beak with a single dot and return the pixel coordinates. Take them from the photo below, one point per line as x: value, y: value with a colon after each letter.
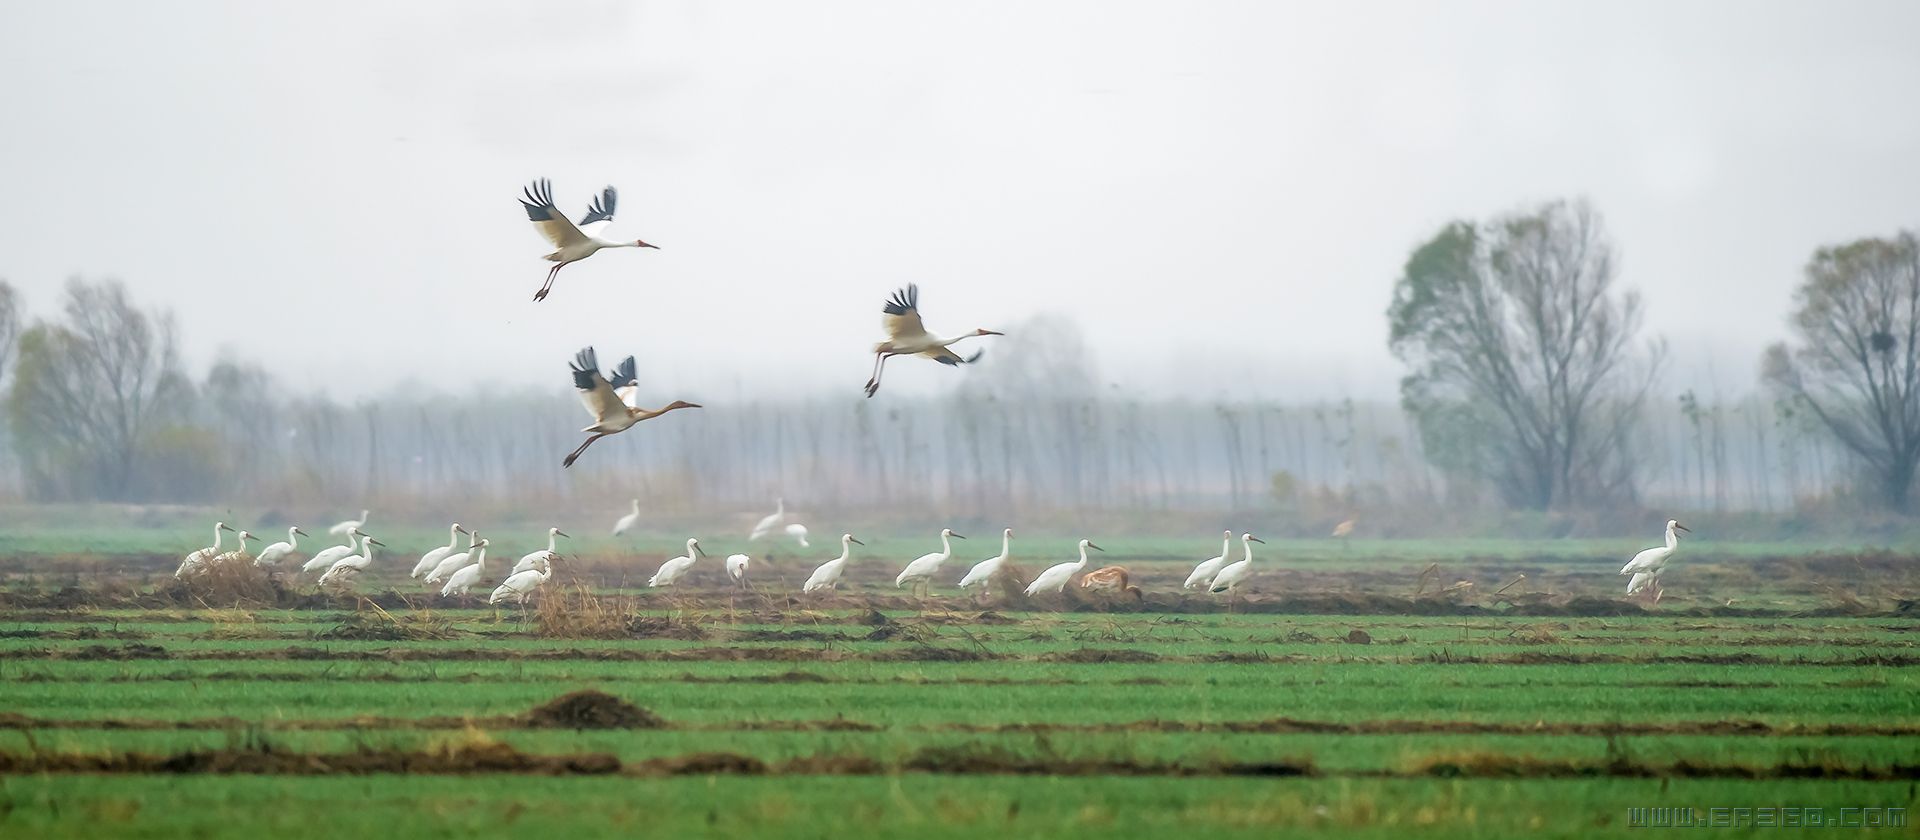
x: 461, y: 530
x: 225, y: 527
x: 372, y: 541
x: 645, y: 244
x: 1683, y: 527
x: 698, y: 550
x: 1258, y: 540
x: 855, y: 541
x: 1095, y: 547
x: 989, y: 332
x: 959, y: 536
x: 563, y: 534
x: 301, y: 533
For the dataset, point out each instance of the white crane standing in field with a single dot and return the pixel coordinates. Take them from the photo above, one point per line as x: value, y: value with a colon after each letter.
x: 353, y: 564
x: 239, y: 552
x: 571, y: 243
x: 1647, y: 565
x: 273, y: 554
x: 671, y: 571
x: 828, y: 575
x: 551, y: 551
x: 1239, y: 572
x: 982, y: 573
x: 770, y: 522
x: 737, y: 568
x: 465, y: 577
x: 1056, y: 576
x: 346, y: 525
x: 431, y: 559
x: 326, y: 557
x: 921, y: 570
x: 1204, y: 573
x: 610, y: 402
x: 627, y: 522
x: 517, y: 587
x: 798, y: 533
x: 455, y: 562
x: 194, y: 560
x: 907, y: 336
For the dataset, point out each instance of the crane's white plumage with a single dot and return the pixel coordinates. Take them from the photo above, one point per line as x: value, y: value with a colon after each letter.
x: 982, y: 572
x: 549, y: 553
x: 611, y: 412
x: 907, y: 336
x: 454, y: 562
x: 351, y: 564
x: 1203, y: 574
x: 518, y: 586
x: 432, y: 558
x: 273, y: 554
x: 571, y: 243
x: 922, y: 569
x: 737, y: 567
x: 798, y: 533
x: 1056, y: 576
x: 326, y: 557
x: 1239, y: 572
x: 465, y: 577
x: 769, y: 522
x: 239, y: 552
x: 1653, y: 561
x: 193, y: 561
x: 349, y: 524
x: 671, y: 571
x: 828, y: 575
x: 627, y: 522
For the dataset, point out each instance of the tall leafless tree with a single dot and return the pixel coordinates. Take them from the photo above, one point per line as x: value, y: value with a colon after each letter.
x: 1854, y: 361
x: 1525, y: 366
x: 88, y: 390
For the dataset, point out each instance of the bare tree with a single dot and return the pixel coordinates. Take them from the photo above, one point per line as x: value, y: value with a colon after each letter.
x: 88, y: 391
x: 1525, y: 372
x: 1855, y: 358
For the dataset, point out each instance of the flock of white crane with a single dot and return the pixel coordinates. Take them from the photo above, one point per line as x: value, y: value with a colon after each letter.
x: 456, y: 570
x: 612, y: 400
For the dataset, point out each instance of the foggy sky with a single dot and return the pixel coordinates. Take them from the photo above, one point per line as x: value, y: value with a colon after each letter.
x: 1221, y: 194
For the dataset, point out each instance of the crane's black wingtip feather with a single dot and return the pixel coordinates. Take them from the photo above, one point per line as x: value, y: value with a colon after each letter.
x: 538, y: 200
x: 585, y: 367
x: 903, y: 300
x: 624, y: 374
x: 602, y: 207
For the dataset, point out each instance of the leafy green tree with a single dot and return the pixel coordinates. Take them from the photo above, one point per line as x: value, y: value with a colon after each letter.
x: 1525, y: 369
x: 1854, y: 359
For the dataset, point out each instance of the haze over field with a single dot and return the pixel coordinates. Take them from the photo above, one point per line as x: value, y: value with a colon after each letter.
x: 1234, y: 177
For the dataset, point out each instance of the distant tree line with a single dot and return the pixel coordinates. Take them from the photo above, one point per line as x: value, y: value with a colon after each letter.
x: 1529, y: 387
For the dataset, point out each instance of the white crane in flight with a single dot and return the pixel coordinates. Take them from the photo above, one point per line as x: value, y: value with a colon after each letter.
x: 610, y: 401
x: 907, y: 336
x: 571, y: 243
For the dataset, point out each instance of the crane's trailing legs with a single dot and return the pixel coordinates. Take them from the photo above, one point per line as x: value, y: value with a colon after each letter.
x: 583, y: 447
x: 879, y: 367
x: 548, y: 286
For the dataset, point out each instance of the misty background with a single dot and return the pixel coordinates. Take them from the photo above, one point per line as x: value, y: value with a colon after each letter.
x: 1190, y: 219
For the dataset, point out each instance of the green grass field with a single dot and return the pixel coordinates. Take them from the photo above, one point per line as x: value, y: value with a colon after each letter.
x: 1348, y: 691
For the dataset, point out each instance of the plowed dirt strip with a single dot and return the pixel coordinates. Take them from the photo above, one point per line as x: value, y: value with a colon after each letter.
x: 495, y: 758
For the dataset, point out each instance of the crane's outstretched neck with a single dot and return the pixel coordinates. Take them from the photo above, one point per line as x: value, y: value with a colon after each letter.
x: 1006, y: 544
x: 1673, y: 538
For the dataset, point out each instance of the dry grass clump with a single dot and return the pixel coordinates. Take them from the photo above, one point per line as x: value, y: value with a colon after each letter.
x: 574, y: 612
x: 230, y: 582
